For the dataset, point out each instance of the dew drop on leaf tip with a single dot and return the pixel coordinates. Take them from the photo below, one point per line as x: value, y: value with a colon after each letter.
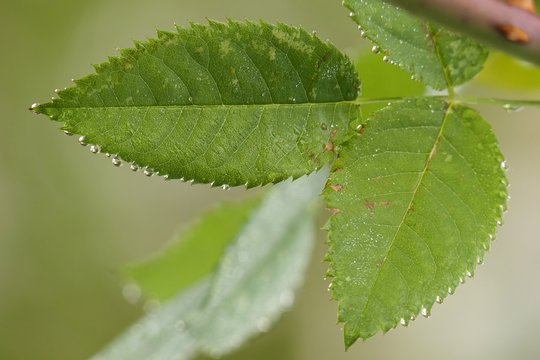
x: 116, y: 161
x: 438, y: 299
x: 425, y: 312
x: 68, y: 133
x: 148, y: 172
x: 404, y: 322
x: 94, y: 149
x: 376, y: 49
x: 134, y: 167
x: 82, y: 140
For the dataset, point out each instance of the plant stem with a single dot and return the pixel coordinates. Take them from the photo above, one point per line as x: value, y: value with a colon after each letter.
x: 483, y: 19
x: 509, y: 104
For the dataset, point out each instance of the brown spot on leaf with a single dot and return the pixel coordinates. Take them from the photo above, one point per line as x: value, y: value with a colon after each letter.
x: 330, y: 144
x: 334, y: 211
x: 372, y: 204
x: 336, y: 187
x: 369, y: 204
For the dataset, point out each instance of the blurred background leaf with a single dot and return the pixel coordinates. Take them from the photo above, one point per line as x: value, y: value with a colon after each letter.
x: 194, y: 254
x: 69, y: 220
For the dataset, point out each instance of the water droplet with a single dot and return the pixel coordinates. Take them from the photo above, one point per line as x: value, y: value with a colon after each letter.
x: 190, y: 99
x: 462, y: 280
x: 451, y: 291
x: 376, y: 49
x: 413, y: 77
x: 404, y: 322
x: 34, y: 106
x: 479, y: 261
x: 425, y: 312
x: 225, y: 187
x: 439, y: 299
x: 324, y: 126
x: 263, y: 324
x: 512, y: 108
x: 504, y: 165
x: 412, y: 318
x: 363, y: 33
x: 82, y: 140
x: 351, y: 14
x: 132, y: 293
x: 166, y: 177
x: 134, y: 167
x: 116, y: 161
x: 108, y: 155
x: 389, y: 104
x: 470, y: 274
x: 68, y: 133
x: 94, y: 149
x: 386, y: 58
x: 148, y: 172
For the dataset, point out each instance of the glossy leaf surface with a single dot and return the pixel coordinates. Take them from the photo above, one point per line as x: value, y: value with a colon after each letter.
x: 236, y: 103
x: 416, y: 201
x: 438, y: 57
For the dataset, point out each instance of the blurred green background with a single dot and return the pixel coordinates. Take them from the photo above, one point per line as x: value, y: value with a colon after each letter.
x: 68, y: 219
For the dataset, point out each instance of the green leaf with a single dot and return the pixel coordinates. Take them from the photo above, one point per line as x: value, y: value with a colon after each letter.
x: 195, y: 253
x: 161, y: 334
x: 416, y: 200
x: 259, y: 273
x: 434, y: 55
x: 236, y: 103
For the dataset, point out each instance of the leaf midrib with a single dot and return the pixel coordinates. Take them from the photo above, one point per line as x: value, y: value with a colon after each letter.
x: 199, y: 106
x: 409, y: 206
x: 432, y: 34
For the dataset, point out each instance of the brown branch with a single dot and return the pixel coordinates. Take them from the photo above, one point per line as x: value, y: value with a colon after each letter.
x: 503, y: 25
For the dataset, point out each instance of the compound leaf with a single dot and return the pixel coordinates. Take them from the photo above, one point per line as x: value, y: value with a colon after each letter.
x: 236, y: 103
x: 437, y: 57
x: 194, y: 254
x: 416, y: 200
